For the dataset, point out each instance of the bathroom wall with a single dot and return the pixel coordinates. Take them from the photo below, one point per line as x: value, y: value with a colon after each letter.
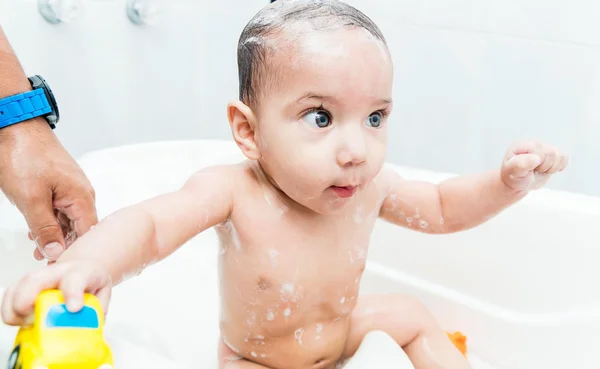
x: 471, y: 76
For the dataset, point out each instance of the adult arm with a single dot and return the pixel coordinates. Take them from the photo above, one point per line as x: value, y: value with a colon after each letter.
x: 38, y: 175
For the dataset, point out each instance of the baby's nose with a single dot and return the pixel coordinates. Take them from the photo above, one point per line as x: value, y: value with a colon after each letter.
x: 353, y: 154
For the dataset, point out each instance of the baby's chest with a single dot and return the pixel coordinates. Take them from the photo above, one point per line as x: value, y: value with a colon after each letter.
x: 289, y: 277
x: 286, y: 262
x: 313, y: 258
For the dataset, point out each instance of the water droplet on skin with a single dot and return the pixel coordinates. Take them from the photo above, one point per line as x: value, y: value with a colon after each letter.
x: 319, y: 327
x: 287, y: 288
x: 253, y: 354
x: 298, y: 335
x: 263, y: 356
x: 260, y: 337
x: 70, y: 238
x: 423, y: 224
x: 233, y: 348
x: 270, y: 315
x: 280, y: 210
x: 287, y: 312
x: 288, y: 292
x: 342, y: 300
x: 235, y: 238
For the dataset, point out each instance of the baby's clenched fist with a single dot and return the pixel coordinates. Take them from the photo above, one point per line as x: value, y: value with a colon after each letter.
x: 529, y: 165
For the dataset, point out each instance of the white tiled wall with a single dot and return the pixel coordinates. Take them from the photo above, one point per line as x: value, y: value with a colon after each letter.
x: 471, y: 76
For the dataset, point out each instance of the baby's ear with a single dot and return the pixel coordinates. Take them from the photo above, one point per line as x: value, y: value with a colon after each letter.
x: 242, y: 122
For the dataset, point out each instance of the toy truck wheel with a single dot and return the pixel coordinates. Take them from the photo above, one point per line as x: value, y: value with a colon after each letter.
x: 14, y: 358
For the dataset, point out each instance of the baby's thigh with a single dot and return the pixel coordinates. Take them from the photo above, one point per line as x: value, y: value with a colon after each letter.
x: 402, y: 317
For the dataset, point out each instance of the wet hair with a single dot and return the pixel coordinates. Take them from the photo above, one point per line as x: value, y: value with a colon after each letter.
x: 254, y: 48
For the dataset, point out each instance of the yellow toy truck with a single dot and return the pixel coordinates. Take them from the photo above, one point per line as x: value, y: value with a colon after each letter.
x: 59, y: 339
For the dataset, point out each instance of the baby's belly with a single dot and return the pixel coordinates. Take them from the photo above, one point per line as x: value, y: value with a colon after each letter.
x: 310, y: 346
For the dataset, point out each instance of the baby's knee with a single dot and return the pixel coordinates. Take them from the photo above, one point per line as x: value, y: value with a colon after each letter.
x: 417, y: 311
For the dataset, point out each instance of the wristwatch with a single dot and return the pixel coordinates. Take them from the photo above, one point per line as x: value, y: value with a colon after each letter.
x: 39, y: 102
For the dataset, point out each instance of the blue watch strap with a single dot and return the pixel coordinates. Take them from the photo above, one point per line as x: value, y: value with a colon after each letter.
x: 24, y: 106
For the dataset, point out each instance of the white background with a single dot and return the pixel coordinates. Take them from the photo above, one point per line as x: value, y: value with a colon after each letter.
x: 471, y: 76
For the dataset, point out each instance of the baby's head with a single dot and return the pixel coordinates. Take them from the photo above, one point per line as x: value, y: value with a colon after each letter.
x: 315, y: 92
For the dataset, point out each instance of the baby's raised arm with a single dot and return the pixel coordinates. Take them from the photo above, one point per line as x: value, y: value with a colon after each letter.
x: 147, y: 232
x: 453, y: 205
x: 464, y: 202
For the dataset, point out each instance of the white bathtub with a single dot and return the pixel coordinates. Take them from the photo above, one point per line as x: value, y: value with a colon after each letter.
x: 521, y: 287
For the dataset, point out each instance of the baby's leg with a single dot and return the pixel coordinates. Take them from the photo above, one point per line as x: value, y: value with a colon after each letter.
x: 228, y: 359
x: 411, y: 325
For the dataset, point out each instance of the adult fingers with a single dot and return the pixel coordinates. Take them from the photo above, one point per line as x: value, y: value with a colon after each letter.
x: 44, y: 227
x: 82, y: 212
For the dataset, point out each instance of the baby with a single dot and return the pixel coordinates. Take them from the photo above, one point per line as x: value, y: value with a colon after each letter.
x: 294, y: 220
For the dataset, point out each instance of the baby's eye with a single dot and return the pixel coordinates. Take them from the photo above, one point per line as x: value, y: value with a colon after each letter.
x: 374, y: 120
x: 320, y: 118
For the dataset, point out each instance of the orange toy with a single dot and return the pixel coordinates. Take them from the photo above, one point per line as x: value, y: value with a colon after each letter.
x: 460, y: 341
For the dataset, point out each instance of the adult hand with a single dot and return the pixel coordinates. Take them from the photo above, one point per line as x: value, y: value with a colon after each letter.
x: 47, y: 186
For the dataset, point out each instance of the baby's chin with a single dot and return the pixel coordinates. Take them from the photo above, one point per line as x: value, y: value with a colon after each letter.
x: 323, y: 203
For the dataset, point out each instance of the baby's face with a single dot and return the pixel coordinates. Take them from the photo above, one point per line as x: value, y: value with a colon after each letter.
x: 322, y: 130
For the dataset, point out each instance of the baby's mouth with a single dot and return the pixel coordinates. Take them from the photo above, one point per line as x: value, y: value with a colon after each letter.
x: 344, y: 191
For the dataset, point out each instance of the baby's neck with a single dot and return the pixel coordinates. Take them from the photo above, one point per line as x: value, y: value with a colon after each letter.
x: 270, y: 185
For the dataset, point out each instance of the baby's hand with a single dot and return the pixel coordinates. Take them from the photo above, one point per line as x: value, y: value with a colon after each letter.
x: 73, y: 278
x: 529, y: 165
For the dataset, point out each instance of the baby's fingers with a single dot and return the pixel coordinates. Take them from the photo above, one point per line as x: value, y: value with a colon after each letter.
x: 72, y: 279
x: 520, y: 165
x: 33, y: 284
x: 19, y: 300
x: 551, y: 157
x: 559, y: 164
x: 82, y: 280
x: 9, y: 316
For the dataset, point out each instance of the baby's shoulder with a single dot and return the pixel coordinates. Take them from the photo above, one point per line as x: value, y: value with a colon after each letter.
x: 386, y: 179
x: 227, y: 176
x: 223, y: 175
